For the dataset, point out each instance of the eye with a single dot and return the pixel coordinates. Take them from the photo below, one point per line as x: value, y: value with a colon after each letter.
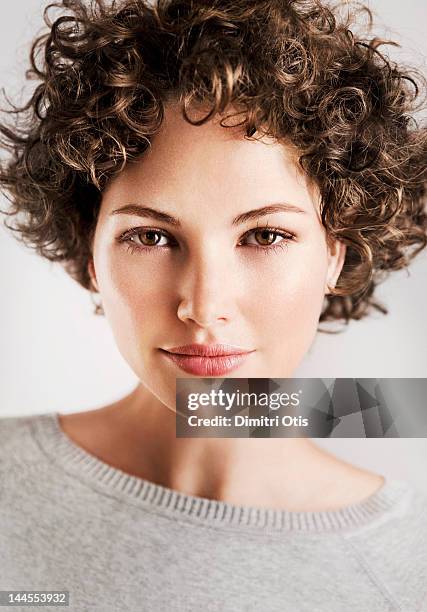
x: 139, y: 238
x: 266, y: 238
x: 149, y: 237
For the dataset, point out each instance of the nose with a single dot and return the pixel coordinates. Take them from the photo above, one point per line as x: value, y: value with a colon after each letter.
x: 206, y: 298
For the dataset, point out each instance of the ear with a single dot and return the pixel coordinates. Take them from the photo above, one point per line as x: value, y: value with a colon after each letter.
x: 92, y: 274
x: 336, y: 256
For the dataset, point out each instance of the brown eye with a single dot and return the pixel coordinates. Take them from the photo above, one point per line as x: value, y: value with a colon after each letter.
x: 265, y: 237
x: 150, y: 235
x: 268, y: 238
x: 140, y: 239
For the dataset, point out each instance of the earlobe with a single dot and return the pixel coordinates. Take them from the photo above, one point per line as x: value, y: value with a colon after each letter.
x: 335, y: 264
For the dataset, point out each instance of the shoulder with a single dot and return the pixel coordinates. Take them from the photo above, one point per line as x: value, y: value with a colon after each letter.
x: 18, y: 443
x: 393, y: 549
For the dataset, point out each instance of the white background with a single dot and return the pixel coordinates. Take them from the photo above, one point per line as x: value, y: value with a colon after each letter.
x: 58, y: 356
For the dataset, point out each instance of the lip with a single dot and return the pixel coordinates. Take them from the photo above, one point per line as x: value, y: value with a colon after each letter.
x: 208, y: 350
x: 207, y: 360
x: 207, y: 366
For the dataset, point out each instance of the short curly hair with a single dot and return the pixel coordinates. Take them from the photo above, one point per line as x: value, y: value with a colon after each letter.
x: 292, y: 69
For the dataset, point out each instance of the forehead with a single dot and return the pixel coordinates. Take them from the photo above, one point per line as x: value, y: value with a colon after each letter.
x: 211, y: 167
x: 213, y: 150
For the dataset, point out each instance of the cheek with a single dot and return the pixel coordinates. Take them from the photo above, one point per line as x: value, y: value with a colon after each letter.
x: 288, y: 313
x: 132, y: 285
x: 134, y: 296
x: 295, y: 280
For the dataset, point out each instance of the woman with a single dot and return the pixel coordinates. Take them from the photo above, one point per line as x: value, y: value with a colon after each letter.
x: 223, y: 174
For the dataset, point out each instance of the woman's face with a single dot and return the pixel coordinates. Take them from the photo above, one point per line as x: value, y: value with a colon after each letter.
x: 206, y: 272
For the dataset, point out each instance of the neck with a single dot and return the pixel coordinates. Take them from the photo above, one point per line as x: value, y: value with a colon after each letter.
x: 288, y: 473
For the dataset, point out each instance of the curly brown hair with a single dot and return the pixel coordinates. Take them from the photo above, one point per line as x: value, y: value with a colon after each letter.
x: 294, y: 71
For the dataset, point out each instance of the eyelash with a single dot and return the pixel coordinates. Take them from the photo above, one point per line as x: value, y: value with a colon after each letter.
x: 125, y: 238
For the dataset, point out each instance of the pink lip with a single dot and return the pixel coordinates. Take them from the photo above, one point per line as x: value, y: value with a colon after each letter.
x: 207, y: 366
x: 208, y: 350
x: 207, y: 360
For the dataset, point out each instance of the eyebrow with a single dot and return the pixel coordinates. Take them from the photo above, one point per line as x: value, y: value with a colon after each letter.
x: 250, y: 215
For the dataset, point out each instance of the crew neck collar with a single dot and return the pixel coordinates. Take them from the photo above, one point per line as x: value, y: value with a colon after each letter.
x: 225, y: 515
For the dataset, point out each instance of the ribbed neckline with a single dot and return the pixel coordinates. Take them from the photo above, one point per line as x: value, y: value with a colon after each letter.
x: 175, y: 504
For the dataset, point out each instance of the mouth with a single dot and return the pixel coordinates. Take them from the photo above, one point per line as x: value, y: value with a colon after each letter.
x: 207, y: 360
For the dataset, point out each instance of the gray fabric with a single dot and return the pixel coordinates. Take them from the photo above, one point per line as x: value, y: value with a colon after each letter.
x: 117, y: 542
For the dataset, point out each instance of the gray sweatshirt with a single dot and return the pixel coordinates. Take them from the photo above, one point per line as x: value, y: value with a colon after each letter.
x: 116, y: 542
